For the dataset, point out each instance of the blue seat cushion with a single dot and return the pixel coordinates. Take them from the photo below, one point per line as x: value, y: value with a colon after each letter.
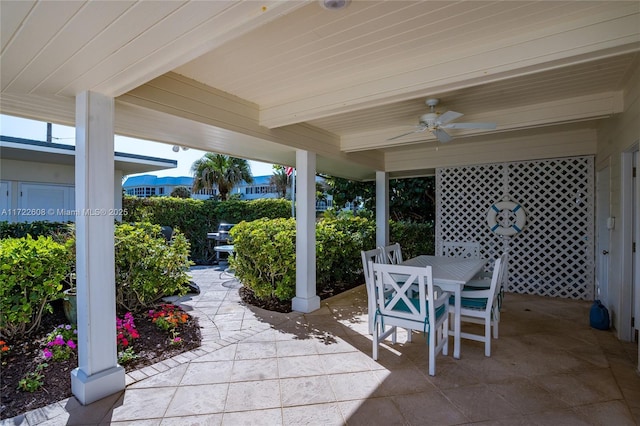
x: 471, y: 302
x: 402, y: 307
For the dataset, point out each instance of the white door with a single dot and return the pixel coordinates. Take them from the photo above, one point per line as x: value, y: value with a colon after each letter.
x: 44, y: 202
x: 603, y: 235
x: 5, y: 213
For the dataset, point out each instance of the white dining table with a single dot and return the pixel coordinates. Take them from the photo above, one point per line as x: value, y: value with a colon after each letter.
x: 450, y: 274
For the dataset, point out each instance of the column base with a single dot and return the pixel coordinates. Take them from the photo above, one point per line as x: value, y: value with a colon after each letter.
x: 88, y: 389
x: 303, y: 305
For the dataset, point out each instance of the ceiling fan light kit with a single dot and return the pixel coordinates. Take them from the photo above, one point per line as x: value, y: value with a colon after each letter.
x: 436, y: 123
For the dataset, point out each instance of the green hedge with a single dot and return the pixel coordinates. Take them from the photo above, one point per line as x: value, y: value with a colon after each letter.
x: 195, y: 218
x: 59, y: 231
x: 32, y: 272
x: 414, y: 238
x: 265, y: 257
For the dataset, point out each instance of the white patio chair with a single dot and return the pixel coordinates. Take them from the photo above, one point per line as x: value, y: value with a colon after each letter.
x: 426, y: 312
x: 391, y: 254
x: 374, y: 255
x: 484, y: 283
x: 466, y: 249
x: 481, y: 307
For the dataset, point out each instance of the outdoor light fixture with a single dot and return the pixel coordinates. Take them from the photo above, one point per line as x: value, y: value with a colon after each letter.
x: 334, y: 4
x: 176, y: 148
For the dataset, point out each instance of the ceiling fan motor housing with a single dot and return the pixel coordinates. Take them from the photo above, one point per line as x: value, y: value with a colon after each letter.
x: 429, y: 119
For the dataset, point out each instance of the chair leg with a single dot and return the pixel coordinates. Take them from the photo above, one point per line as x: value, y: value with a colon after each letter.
x: 375, y: 342
x: 432, y: 351
x: 495, y: 329
x: 487, y: 337
x: 445, y: 336
x: 371, y: 315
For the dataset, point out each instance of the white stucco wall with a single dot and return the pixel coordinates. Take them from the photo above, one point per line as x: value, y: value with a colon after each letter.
x: 618, y: 135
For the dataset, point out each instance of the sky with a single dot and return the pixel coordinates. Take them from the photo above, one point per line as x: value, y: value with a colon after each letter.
x: 37, y: 130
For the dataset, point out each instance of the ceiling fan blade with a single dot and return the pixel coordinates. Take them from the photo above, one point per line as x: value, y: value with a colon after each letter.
x: 448, y: 116
x: 442, y: 135
x: 419, y: 129
x: 488, y: 126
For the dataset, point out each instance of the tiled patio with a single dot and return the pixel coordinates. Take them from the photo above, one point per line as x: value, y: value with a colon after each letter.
x: 263, y: 368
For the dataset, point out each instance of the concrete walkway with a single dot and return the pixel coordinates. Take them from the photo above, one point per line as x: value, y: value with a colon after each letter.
x: 257, y: 367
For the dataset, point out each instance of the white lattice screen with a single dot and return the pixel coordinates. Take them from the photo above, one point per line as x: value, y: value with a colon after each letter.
x: 554, y: 254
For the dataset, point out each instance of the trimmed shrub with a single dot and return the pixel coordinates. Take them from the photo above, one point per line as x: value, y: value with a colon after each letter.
x: 147, y: 267
x: 265, y: 257
x: 414, y: 238
x: 32, y: 273
x: 338, y: 246
x: 235, y: 211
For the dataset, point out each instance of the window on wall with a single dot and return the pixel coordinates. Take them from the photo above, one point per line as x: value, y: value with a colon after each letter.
x: 143, y: 191
x: 205, y: 191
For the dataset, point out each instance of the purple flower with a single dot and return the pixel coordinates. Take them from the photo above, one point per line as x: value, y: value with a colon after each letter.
x: 71, y: 344
x: 67, y: 327
x: 47, y: 353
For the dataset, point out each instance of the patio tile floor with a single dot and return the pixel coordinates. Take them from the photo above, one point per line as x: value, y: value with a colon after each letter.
x: 263, y: 368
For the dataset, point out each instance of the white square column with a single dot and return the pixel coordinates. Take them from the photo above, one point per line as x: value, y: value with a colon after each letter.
x: 98, y: 373
x: 382, y: 209
x: 306, y: 299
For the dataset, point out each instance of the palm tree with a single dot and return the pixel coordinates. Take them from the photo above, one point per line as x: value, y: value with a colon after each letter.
x: 221, y: 171
x: 280, y: 180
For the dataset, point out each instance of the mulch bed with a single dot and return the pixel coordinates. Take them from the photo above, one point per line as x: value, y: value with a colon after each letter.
x: 26, y: 353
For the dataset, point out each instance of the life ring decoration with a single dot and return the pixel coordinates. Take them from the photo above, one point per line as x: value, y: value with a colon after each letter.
x: 506, y: 218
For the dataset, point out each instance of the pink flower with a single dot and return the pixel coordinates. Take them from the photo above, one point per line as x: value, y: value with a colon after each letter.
x: 71, y: 344
x: 47, y: 353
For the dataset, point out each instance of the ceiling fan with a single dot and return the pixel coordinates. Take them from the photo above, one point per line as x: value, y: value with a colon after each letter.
x: 436, y: 123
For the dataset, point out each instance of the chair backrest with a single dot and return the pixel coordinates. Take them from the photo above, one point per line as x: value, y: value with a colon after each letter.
x: 374, y: 255
x: 391, y: 254
x: 405, y: 282
x: 504, y: 258
x: 465, y: 249
x: 485, y: 300
x: 496, y: 280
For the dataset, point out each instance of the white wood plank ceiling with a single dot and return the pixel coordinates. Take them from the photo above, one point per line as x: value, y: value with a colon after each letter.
x: 260, y: 79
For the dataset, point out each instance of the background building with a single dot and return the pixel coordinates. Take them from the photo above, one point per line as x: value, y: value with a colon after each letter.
x: 37, y: 179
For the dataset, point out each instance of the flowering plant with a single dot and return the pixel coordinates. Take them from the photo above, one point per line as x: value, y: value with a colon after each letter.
x: 125, y: 331
x: 4, y: 349
x: 168, y: 318
x: 61, y: 343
